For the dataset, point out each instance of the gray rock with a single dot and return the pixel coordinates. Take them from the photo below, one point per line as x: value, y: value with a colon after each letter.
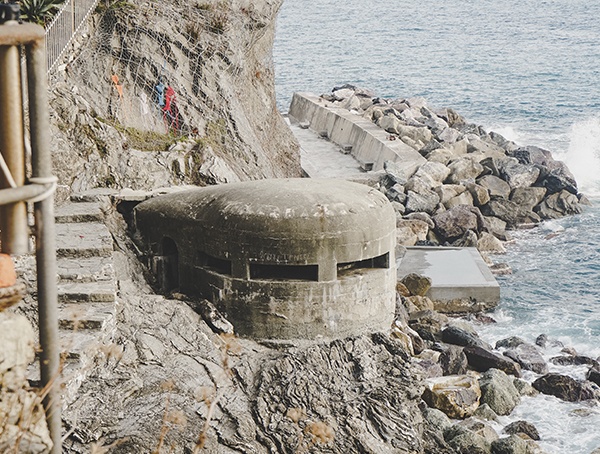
x: 509, y: 212
x: 566, y: 388
x: 498, y: 391
x: 436, y: 418
x: 463, y: 169
x: 495, y: 185
x: 417, y: 284
x: 441, y: 155
x: 480, y: 195
x: 522, y: 427
x: 425, y: 201
x: 489, y: 243
x: 510, y: 342
x: 479, y: 427
x: 541, y: 340
x: 484, y: 411
x: 453, y: 224
x: 481, y: 360
x: 528, y: 358
x: 524, y: 388
x: 469, y: 239
x: 509, y: 445
x: 464, y: 198
x: 558, y: 204
x: 519, y: 175
x: 427, y: 323
x: 449, y: 135
x: 448, y: 191
x: 527, y: 198
x: 434, y: 171
x: 592, y: 375
x: 456, y: 336
x: 453, y: 360
x: 574, y: 360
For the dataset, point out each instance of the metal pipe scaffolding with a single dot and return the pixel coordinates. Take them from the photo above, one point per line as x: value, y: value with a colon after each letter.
x: 40, y: 190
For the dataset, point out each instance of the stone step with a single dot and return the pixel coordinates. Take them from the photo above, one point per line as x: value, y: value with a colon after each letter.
x: 82, y: 240
x: 87, y: 316
x: 90, y: 269
x: 93, y: 195
x: 79, y: 212
x: 84, y: 292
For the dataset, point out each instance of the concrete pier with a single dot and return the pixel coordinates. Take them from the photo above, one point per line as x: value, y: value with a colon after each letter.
x: 365, y: 141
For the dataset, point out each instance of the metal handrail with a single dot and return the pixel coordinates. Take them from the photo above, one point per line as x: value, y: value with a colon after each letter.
x: 64, y: 27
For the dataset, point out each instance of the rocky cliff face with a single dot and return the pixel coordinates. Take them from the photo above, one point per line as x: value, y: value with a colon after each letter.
x: 173, y: 92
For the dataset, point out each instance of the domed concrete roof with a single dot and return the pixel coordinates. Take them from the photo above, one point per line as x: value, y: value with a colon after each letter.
x: 291, y: 221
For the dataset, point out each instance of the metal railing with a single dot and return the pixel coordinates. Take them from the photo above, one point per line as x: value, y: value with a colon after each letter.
x: 64, y: 27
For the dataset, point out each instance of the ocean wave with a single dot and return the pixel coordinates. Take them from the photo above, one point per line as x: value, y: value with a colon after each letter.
x: 583, y: 155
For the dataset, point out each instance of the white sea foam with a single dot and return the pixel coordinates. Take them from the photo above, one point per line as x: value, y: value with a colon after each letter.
x: 583, y: 155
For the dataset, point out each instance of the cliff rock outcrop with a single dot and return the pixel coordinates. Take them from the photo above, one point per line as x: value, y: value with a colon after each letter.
x: 168, y: 93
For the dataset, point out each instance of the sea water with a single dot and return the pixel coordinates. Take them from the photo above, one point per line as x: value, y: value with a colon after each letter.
x: 529, y: 70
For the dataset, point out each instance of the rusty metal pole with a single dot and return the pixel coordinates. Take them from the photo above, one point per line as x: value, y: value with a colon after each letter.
x: 41, y: 165
x: 33, y: 38
x: 13, y: 218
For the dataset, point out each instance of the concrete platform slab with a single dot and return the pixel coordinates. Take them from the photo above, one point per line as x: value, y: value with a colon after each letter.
x: 456, y: 274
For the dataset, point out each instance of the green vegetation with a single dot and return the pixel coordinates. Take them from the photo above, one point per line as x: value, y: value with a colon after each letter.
x: 112, y: 5
x: 39, y: 11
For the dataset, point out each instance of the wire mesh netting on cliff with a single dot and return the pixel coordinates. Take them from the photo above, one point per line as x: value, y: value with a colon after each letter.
x: 159, y: 67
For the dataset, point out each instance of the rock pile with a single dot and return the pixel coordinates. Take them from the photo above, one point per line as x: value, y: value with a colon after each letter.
x: 474, y: 185
x: 468, y: 380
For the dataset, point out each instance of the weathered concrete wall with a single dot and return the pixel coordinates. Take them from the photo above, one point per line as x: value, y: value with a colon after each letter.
x: 370, y: 143
x: 289, y: 258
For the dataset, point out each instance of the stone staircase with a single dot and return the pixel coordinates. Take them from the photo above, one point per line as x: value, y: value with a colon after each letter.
x: 87, y: 292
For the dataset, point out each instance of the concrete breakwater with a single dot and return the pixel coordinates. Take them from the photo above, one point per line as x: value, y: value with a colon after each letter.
x: 455, y: 184
x: 450, y: 181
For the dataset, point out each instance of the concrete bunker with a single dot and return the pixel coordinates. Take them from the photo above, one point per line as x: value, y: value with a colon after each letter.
x: 285, y: 259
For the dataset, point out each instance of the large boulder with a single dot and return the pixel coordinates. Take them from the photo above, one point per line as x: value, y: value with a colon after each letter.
x: 427, y: 323
x: 456, y: 395
x: 480, y: 194
x: 417, y: 227
x: 566, y: 388
x: 448, y: 191
x: 522, y: 427
x: 433, y: 171
x: 481, y: 360
x: 498, y: 391
x: 464, y: 198
x: 457, y: 336
x: 527, y: 198
x: 464, y: 440
x: 509, y: 212
x: 592, y: 375
x: 519, y: 175
x: 464, y: 169
x: 453, y: 224
x: 510, y: 445
x: 528, y: 357
x: 495, y: 185
x: 425, y: 201
x: 558, y: 204
x: 489, y: 243
x: 416, y: 284
x: 453, y: 360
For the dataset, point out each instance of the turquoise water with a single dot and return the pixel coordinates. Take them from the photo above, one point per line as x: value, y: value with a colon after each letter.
x: 529, y: 70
